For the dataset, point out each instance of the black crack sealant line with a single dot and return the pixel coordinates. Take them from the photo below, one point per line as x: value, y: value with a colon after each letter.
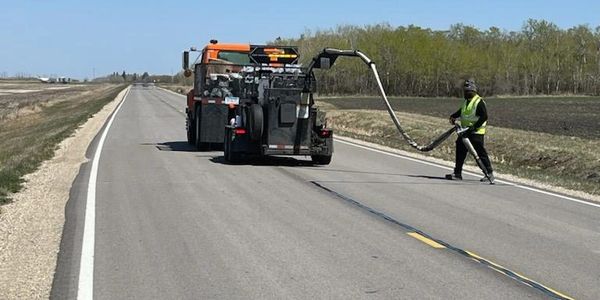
x: 444, y: 245
x: 327, y: 58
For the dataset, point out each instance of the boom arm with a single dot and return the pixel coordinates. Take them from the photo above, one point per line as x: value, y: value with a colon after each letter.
x: 327, y: 58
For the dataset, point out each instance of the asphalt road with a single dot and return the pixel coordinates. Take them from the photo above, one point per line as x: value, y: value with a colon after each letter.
x: 173, y: 223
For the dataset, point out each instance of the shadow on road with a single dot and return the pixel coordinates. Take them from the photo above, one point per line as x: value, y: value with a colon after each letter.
x: 176, y: 146
x: 182, y: 146
x: 276, y: 161
x: 429, y: 177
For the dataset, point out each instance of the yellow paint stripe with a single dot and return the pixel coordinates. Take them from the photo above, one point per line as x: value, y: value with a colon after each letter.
x: 523, y: 277
x: 427, y: 241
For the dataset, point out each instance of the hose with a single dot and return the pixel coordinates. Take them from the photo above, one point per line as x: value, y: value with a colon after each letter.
x: 423, y: 148
x: 332, y: 54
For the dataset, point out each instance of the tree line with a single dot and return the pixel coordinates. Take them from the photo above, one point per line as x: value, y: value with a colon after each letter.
x: 541, y: 58
x: 116, y: 77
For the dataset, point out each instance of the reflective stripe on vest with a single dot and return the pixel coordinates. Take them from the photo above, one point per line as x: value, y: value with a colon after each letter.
x: 468, y: 115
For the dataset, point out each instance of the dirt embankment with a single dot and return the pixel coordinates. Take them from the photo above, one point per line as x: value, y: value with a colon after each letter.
x: 31, y: 225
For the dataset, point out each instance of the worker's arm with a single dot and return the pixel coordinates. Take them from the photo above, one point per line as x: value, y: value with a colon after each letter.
x: 454, y: 116
x: 481, y: 112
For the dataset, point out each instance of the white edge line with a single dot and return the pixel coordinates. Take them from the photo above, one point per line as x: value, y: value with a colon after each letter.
x: 167, y: 90
x: 470, y: 173
x: 85, y: 288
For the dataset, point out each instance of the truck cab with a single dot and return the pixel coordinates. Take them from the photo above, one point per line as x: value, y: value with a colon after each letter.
x: 210, y: 100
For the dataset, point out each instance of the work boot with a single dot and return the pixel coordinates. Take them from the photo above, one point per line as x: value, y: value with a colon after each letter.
x: 489, y: 178
x: 454, y: 176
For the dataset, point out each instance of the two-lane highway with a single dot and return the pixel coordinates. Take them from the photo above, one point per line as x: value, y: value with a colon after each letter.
x: 174, y: 223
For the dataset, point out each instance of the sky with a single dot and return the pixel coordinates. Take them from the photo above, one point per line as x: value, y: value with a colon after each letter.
x: 80, y: 39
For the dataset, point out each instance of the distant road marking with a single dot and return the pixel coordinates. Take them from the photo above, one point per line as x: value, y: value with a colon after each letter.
x: 176, y: 94
x: 431, y: 241
x: 85, y: 288
x: 169, y: 104
x: 470, y: 173
x: 426, y: 240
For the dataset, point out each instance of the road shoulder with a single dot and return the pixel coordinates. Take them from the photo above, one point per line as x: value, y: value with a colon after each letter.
x: 443, y: 164
x: 31, y: 226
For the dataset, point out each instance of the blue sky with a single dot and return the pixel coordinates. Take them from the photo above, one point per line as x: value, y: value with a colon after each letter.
x: 74, y: 38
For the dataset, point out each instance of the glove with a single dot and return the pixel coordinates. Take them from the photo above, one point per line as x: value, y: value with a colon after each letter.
x: 452, y: 120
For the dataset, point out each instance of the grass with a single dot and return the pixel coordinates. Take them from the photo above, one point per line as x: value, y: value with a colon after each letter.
x: 28, y: 140
x: 569, y: 162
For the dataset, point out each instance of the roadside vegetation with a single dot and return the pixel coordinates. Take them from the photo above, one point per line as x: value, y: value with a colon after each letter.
x: 565, y: 161
x: 27, y: 139
x: 541, y: 58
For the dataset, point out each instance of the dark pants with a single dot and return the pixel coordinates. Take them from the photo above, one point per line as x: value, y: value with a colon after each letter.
x: 461, y: 153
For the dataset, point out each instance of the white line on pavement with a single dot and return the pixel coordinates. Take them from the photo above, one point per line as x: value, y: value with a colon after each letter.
x: 470, y: 173
x: 85, y: 288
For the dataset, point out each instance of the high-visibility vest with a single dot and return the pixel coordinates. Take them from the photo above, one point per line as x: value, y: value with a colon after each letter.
x: 468, y: 115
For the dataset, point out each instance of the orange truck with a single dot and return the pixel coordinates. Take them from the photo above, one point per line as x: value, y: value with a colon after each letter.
x: 208, y: 105
x: 255, y: 100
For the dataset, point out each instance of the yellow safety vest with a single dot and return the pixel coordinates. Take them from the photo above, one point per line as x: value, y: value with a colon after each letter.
x: 468, y: 116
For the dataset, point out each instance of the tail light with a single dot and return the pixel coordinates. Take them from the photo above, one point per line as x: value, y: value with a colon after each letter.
x: 239, y: 131
x: 325, y: 133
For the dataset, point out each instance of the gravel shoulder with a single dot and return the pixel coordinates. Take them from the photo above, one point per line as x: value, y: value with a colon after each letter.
x: 32, y: 224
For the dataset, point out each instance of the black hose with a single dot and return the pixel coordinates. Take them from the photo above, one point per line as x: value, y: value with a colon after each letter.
x: 332, y: 54
x: 423, y: 148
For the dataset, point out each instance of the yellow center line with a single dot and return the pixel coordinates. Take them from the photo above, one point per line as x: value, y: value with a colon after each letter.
x: 498, y: 268
x: 426, y: 240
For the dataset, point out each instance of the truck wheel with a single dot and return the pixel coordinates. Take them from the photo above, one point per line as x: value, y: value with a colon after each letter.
x: 255, y: 120
x: 198, y: 130
x: 191, y: 131
x: 321, y: 159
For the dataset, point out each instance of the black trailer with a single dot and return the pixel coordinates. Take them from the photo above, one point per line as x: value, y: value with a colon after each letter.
x: 276, y: 114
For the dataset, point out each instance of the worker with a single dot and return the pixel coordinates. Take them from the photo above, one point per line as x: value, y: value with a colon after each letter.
x: 473, y: 115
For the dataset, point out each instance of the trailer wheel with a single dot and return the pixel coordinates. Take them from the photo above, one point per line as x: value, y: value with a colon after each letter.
x: 255, y: 120
x: 321, y: 159
x: 191, y: 131
x: 198, y: 130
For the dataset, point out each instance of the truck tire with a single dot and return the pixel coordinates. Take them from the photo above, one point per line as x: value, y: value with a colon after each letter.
x: 191, y: 131
x: 200, y: 146
x: 321, y: 159
x: 255, y: 122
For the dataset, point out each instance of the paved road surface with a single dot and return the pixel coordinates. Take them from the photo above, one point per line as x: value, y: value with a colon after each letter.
x: 173, y: 223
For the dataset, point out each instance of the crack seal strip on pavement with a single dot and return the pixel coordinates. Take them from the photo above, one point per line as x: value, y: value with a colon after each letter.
x: 439, y: 244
